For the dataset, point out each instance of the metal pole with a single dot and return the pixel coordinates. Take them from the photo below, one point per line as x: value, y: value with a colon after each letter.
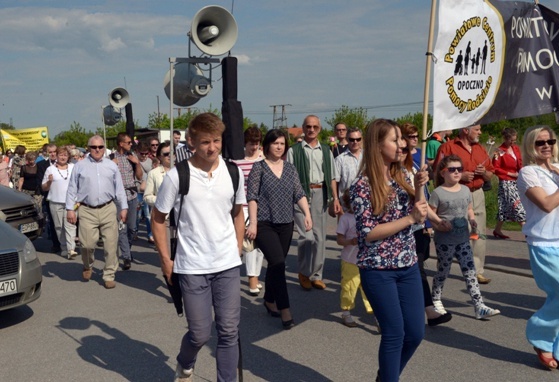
x: 419, y: 194
x: 172, y: 74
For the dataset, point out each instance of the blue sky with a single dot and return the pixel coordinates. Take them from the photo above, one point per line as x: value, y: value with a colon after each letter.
x: 58, y: 62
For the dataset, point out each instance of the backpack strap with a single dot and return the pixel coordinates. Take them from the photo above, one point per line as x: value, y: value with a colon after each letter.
x: 234, y: 173
x: 183, y: 170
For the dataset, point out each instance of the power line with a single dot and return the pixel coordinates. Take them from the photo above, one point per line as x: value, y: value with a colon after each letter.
x: 402, y: 106
x: 278, y: 122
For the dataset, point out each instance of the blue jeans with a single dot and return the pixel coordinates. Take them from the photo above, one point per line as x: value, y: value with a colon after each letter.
x: 145, y: 211
x: 200, y: 293
x: 396, y: 296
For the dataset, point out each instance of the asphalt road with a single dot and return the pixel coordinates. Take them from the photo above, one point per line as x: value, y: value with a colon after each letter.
x: 80, y: 331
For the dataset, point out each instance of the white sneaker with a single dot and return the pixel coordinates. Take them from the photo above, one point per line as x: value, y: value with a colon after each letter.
x: 439, y: 308
x: 484, y: 311
x: 182, y: 375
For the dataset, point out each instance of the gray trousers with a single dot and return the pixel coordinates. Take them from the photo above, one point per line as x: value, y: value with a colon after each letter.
x: 311, y: 245
x: 200, y: 293
x: 126, y: 234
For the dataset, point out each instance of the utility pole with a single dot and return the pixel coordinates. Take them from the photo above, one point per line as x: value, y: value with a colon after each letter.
x: 278, y: 122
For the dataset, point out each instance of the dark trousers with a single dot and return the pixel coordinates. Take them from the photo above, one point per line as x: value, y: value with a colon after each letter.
x: 274, y: 240
x: 395, y: 295
x: 50, y: 227
x: 422, y: 243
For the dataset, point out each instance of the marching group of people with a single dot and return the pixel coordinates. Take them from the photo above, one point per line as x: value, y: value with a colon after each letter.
x: 372, y: 181
x: 376, y: 186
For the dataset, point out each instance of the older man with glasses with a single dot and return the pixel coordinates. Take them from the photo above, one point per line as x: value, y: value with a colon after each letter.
x: 317, y: 172
x: 95, y: 185
x: 347, y: 163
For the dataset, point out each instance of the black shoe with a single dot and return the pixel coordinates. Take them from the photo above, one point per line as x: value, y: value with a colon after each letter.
x: 55, y: 249
x: 287, y: 324
x: 126, y: 264
x: 271, y: 312
x: 439, y: 320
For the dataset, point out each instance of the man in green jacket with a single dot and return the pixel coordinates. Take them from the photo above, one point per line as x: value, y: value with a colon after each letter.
x: 315, y: 164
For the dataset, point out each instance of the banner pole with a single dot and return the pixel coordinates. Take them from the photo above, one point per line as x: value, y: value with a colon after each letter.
x: 429, y: 59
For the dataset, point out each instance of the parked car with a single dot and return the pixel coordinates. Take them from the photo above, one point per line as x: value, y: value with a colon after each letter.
x: 20, y: 211
x: 20, y: 270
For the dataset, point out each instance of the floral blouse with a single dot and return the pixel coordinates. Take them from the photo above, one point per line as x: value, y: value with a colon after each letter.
x: 392, y: 252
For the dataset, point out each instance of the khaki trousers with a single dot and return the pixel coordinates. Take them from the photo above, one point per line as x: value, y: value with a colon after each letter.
x: 478, y: 246
x: 95, y: 223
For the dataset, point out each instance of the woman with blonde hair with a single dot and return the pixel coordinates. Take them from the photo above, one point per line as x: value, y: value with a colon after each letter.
x: 385, y: 212
x: 56, y: 181
x: 538, y: 185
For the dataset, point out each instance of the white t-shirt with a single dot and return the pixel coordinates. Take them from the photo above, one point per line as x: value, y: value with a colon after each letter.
x: 207, y: 238
x: 541, y: 228
x: 346, y: 227
x: 60, y: 181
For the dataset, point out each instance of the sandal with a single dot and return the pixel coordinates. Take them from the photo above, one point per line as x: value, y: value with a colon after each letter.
x: 546, y: 360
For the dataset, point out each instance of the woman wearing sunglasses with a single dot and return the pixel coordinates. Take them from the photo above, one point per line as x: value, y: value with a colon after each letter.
x: 452, y: 202
x: 538, y: 184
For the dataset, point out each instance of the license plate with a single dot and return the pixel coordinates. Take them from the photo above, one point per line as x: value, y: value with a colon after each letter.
x: 28, y: 227
x: 8, y: 286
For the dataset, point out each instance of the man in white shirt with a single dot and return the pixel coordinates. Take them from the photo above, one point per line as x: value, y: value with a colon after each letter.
x: 208, y: 251
x: 347, y: 163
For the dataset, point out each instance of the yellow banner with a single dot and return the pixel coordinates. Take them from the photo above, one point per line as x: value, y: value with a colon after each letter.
x: 33, y: 138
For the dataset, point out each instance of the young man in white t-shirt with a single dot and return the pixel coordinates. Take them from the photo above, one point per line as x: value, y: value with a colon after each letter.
x: 209, y: 246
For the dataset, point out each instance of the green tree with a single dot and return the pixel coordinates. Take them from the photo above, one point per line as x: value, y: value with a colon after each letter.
x: 158, y: 121
x: 417, y: 120
x: 352, y: 117
x: 6, y: 126
x: 75, y: 135
x: 163, y: 122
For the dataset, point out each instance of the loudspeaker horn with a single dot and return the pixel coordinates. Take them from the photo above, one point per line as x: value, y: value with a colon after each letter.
x: 214, y: 30
x: 189, y: 84
x: 111, y: 116
x: 119, y: 97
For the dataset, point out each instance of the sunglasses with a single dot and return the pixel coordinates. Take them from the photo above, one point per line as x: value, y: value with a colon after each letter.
x: 550, y: 142
x: 413, y: 136
x: 455, y: 169
x: 146, y: 153
x: 354, y: 139
x: 154, y: 144
x: 341, y: 130
x: 97, y: 147
x: 128, y: 143
x: 166, y: 154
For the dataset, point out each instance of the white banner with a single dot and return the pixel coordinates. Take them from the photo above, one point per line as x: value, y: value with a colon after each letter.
x: 469, y: 54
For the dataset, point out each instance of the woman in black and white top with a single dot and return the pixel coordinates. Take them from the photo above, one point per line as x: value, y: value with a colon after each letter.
x: 273, y: 187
